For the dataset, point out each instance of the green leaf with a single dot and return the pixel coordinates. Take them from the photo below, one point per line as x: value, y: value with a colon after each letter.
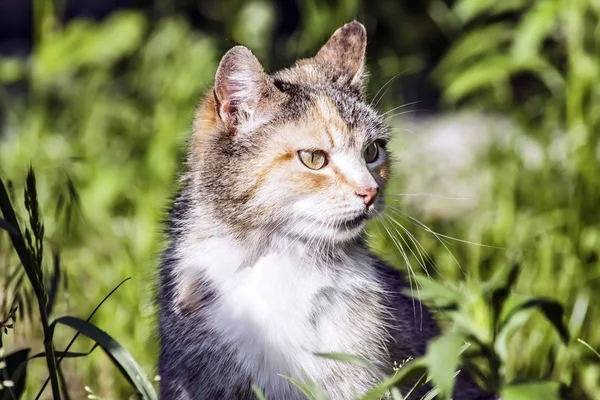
x: 443, y: 358
x: 508, y: 330
x: 498, y: 288
x: 533, y: 29
x: 310, y: 389
x: 551, y: 309
x: 8, y: 227
x: 54, y: 283
x: 532, y: 390
x: 258, y: 392
x: 120, y: 357
x: 17, y: 375
x: 12, y: 69
x: 487, y: 73
x: 588, y: 346
x: 472, y: 46
x: 414, y: 369
x: 468, y: 10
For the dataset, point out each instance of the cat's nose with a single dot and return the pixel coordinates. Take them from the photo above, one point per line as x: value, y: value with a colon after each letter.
x: 368, y: 194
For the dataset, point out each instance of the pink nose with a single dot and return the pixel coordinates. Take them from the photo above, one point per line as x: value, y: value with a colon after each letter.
x: 368, y: 194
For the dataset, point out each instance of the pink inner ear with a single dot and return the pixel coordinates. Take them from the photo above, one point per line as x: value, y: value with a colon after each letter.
x: 228, y: 103
x: 239, y: 83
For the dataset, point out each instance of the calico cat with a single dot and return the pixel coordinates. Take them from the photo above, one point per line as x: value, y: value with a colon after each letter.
x: 267, y: 264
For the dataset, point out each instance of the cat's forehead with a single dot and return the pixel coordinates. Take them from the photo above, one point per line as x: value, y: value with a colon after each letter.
x: 338, y: 118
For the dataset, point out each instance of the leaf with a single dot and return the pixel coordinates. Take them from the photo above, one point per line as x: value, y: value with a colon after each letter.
x: 258, y: 392
x: 65, y: 354
x: 509, y: 328
x: 414, y: 369
x: 533, y: 29
x: 120, y: 357
x: 468, y: 10
x: 532, y: 390
x: 471, y: 46
x: 551, y: 309
x: 443, y: 358
x: 491, y: 71
x: 499, y: 288
x: 310, y: 390
x: 77, y: 334
x: 85, y: 44
x: 13, y: 361
x: 8, y: 227
x: 12, y: 69
x: 21, y: 366
x: 588, y: 346
x: 54, y: 284
x: 418, y: 384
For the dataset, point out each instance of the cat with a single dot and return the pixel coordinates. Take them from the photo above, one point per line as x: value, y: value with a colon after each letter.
x: 267, y: 262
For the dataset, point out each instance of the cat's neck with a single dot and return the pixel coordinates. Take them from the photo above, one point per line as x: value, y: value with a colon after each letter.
x: 208, y: 249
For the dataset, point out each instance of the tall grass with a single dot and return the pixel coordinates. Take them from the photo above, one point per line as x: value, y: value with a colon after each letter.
x: 28, y: 245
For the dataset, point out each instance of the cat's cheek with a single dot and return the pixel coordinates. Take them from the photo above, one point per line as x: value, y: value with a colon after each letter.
x: 384, y: 173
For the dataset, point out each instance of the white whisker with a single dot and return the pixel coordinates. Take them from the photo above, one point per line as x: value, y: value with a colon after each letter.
x: 438, y: 196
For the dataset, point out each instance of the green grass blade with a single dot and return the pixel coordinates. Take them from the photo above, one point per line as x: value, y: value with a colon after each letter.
x: 552, y: 310
x: 8, y: 227
x: 588, y: 346
x: 443, y: 358
x: 413, y: 369
x: 532, y: 390
x: 77, y: 334
x: 258, y: 392
x: 304, y: 388
x: 121, y: 357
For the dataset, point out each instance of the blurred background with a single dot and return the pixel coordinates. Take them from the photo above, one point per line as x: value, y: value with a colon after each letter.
x: 494, y: 108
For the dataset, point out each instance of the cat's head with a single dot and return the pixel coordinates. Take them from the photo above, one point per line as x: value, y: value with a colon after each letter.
x: 298, y: 152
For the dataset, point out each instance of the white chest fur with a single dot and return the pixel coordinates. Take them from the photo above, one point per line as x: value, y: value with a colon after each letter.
x: 281, y: 307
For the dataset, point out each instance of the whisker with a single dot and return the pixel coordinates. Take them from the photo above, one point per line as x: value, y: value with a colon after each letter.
x: 399, y: 107
x: 439, y: 196
x: 384, y: 85
x: 410, y: 270
x: 390, y: 117
x: 422, y: 225
x: 404, y: 129
x: 420, y: 249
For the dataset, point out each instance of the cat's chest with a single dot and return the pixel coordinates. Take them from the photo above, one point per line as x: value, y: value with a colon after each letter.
x: 280, y: 309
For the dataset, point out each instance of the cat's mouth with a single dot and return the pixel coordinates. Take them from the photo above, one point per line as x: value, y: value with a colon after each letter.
x: 353, y: 222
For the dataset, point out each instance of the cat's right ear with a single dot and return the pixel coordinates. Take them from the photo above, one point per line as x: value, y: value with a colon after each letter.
x: 244, y: 95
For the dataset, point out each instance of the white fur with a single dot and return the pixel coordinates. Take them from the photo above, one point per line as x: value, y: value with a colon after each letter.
x: 264, y: 308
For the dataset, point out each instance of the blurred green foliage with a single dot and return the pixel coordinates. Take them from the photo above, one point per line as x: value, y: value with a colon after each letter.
x: 102, y: 110
x: 107, y: 109
x: 537, y: 63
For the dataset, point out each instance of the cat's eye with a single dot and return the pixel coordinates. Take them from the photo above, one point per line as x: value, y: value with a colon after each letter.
x: 371, y: 152
x: 313, y: 159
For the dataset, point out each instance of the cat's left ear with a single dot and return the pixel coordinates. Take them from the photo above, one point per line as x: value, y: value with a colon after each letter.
x: 343, y: 56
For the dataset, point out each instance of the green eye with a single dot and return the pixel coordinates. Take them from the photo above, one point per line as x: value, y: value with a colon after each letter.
x: 313, y: 159
x: 371, y: 153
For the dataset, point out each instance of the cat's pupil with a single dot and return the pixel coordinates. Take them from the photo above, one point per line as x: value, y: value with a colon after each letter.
x: 371, y: 152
